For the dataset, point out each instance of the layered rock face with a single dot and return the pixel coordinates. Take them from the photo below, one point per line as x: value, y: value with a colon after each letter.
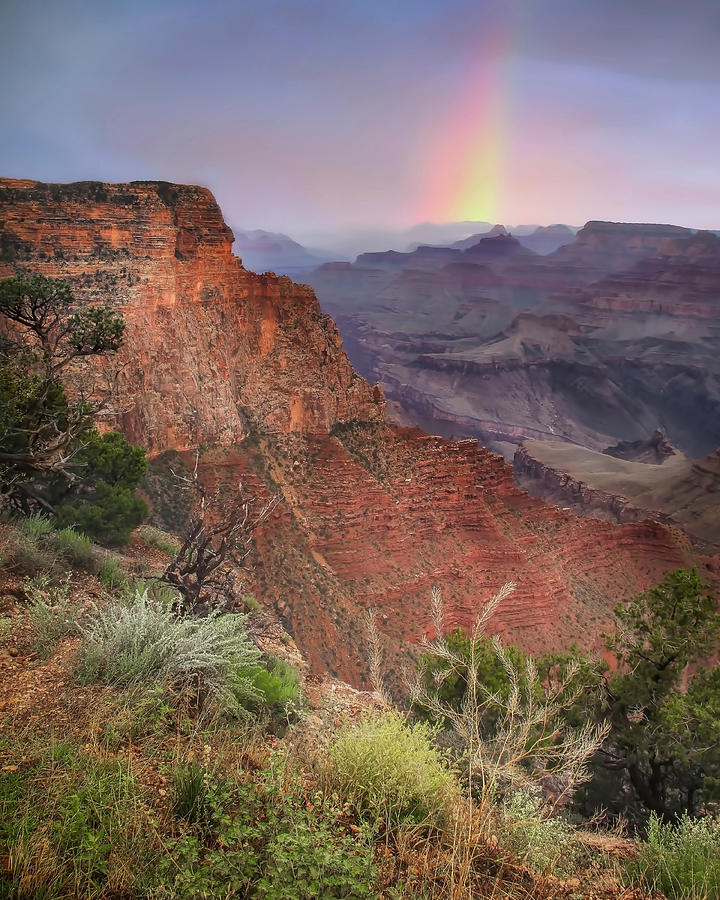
x: 607, y: 339
x: 627, y: 483
x: 211, y: 350
x: 370, y: 515
x: 373, y: 516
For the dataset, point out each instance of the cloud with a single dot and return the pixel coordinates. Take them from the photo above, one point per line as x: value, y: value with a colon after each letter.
x: 317, y: 112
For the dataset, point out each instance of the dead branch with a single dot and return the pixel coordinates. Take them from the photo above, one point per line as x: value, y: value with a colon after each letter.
x: 215, y: 547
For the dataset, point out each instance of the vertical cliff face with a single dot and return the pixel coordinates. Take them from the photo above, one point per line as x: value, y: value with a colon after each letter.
x: 249, y: 369
x: 211, y: 350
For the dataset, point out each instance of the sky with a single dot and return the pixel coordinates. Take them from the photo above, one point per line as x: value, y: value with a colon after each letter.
x: 316, y: 116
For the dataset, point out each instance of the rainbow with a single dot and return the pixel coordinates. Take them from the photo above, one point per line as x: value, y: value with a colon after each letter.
x: 463, y: 172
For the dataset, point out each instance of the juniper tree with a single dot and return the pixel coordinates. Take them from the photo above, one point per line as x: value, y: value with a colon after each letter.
x: 51, y: 456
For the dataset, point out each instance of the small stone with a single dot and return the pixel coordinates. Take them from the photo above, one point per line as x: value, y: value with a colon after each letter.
x: 13, y: 651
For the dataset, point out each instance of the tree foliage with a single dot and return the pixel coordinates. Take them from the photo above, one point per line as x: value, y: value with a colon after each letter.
x: 104, y: 503
x: 662, y: 703
x: 51, y: 457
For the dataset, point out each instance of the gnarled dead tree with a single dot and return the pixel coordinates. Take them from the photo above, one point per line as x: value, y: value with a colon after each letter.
x: 217, y: 543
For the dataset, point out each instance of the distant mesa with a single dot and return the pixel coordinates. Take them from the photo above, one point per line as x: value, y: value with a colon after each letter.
x: 628, y: 483
x: 541, y: 239
x: 497, y: 246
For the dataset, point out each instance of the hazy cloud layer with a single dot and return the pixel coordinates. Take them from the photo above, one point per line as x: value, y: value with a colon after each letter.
x: 304, y: 116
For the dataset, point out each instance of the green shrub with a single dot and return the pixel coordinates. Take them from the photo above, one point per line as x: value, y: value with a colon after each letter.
x: 544, y: 842
x: 682, y: 861
x: 391, y: 771
x: 6, y: 625
x: 36, y: 526
x: 104, y: 504
x: 159, y: 539
x: 27, y: 546
x: 76, y: 548
x: 279, y: 844
x: 250, y: 603
x: 278, y: 683
x: 143, y: 640
x: 51, y: 612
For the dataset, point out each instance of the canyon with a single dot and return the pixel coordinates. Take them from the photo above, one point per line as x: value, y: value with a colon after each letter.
x: 607, y: 338
x: 247, y: 371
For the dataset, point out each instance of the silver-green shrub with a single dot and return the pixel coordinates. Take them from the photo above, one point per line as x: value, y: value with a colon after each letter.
x: 142, y: 639
x: 545, y: 842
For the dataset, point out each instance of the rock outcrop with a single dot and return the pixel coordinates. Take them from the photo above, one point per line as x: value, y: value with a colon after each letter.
x: 212, y: 350
x: 656, y: 449
x: 248, y: 369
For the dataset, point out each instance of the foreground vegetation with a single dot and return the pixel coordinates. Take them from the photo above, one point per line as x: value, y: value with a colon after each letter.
x: 165, y: 755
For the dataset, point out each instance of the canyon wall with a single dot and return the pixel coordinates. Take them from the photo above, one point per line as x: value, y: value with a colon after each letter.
x: 248, y: 369
x: 211, y: 350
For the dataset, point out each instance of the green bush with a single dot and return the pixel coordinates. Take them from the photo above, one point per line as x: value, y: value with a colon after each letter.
x: 36, y: 526
x: 28, y: 546
x: 250, y: 604
x: 6, y: 625
x: 143, y: 640
x: 104, y: 504
x: 278, y: 683
x: 51, y: 612
x: 278, y: 844
x: 111, y: 574
x: 391, y: 771
x: 682, y: 861
x: 546, y: 843
x: 159, y: 539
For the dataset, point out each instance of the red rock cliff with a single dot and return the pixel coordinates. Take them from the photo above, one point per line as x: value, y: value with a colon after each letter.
x: 211, y: 349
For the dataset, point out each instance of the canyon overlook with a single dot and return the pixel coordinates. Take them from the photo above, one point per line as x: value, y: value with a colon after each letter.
x: 248, y: 369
